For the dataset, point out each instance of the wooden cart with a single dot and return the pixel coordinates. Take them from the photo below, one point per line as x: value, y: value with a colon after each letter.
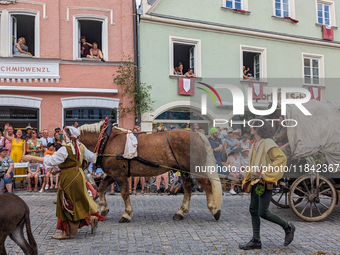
x: 312, y: 196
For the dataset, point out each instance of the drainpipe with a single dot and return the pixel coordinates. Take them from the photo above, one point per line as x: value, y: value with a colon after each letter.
x: 136, y: 37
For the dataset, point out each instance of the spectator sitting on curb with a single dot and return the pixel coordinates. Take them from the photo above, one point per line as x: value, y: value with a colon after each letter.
x: 93, y: 175
x: 6, y: 170
x: 33, y: 173
x: 135, y: 183
x: 159, y: 178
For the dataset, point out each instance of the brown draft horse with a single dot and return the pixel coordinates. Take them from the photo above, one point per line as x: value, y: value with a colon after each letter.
x: 14, y: 214
x: 191, y: 149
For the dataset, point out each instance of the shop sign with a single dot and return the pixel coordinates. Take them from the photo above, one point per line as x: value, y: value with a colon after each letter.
x: 20, y: 68
x: 267, y: 96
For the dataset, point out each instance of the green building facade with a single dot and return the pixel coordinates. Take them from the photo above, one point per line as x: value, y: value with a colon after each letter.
x: 284, y: 43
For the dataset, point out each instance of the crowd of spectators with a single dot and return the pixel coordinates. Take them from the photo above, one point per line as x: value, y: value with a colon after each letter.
x: 231, y: 151
x: 15, y: 144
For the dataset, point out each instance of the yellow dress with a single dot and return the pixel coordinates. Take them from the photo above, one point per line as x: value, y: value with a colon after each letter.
x: 16, y: 154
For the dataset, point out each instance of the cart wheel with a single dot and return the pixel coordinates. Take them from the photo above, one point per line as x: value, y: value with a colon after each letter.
x: 280, y: 195
x: 314, y: 207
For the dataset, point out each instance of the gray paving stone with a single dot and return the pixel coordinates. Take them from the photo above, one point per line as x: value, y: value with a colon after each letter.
x: 153, y: 231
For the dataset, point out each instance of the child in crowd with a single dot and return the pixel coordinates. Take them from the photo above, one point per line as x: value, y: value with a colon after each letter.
x: 48, y: 175
x: 33, y: 173
x: 50, y: 150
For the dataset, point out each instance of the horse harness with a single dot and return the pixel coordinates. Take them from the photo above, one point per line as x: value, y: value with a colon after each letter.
x: 173, y: 154
x: 104, y: 137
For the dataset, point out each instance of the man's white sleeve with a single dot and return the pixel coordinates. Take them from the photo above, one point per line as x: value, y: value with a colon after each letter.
x: 57, y: 158
x: 89, y: 156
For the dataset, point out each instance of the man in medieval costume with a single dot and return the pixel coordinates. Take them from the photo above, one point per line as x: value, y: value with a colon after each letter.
x: 75, y: 208
x: 266, y: 166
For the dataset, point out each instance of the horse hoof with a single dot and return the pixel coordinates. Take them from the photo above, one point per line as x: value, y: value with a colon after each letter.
x: 124, y: 220
x: 105, y: 212
x: 178, y: 217
x: 217, y: 215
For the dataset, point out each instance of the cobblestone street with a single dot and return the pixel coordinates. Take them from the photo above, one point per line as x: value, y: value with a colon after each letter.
x: 153, y: 231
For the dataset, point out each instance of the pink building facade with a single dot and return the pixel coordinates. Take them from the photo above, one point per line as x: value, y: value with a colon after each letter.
x: 56, y: 86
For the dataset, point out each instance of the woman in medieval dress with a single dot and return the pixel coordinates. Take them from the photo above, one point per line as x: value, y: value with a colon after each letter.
x: 75, y: 208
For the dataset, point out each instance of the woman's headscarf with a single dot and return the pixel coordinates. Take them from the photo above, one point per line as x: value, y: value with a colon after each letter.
x: 71, y: 135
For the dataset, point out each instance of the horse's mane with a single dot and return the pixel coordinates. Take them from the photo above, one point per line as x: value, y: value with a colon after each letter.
x: 121, y: 129
x: 96, y: 128
x: 93, y: 128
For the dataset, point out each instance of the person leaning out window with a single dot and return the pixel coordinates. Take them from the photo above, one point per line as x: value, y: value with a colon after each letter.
x: 179, y: 69
x: 96, y: 53
x: 20, y: 48
x: 190, y: 73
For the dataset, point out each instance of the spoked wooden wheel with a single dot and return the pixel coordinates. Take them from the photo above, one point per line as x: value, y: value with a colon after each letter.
x: 281, y: 193
x: 317, y: 201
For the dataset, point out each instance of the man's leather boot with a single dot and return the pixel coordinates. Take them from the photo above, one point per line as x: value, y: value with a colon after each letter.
x: 289, y: 234
x: 252, y: 244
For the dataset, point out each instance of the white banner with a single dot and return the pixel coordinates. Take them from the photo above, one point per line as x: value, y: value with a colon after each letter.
x: 19, y: 165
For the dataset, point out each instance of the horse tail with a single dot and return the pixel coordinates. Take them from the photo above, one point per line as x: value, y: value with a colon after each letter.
x: 30, y: 237
x: 213, y: 175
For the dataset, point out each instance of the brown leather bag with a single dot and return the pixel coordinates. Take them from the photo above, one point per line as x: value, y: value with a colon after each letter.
x: 247, y: 187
